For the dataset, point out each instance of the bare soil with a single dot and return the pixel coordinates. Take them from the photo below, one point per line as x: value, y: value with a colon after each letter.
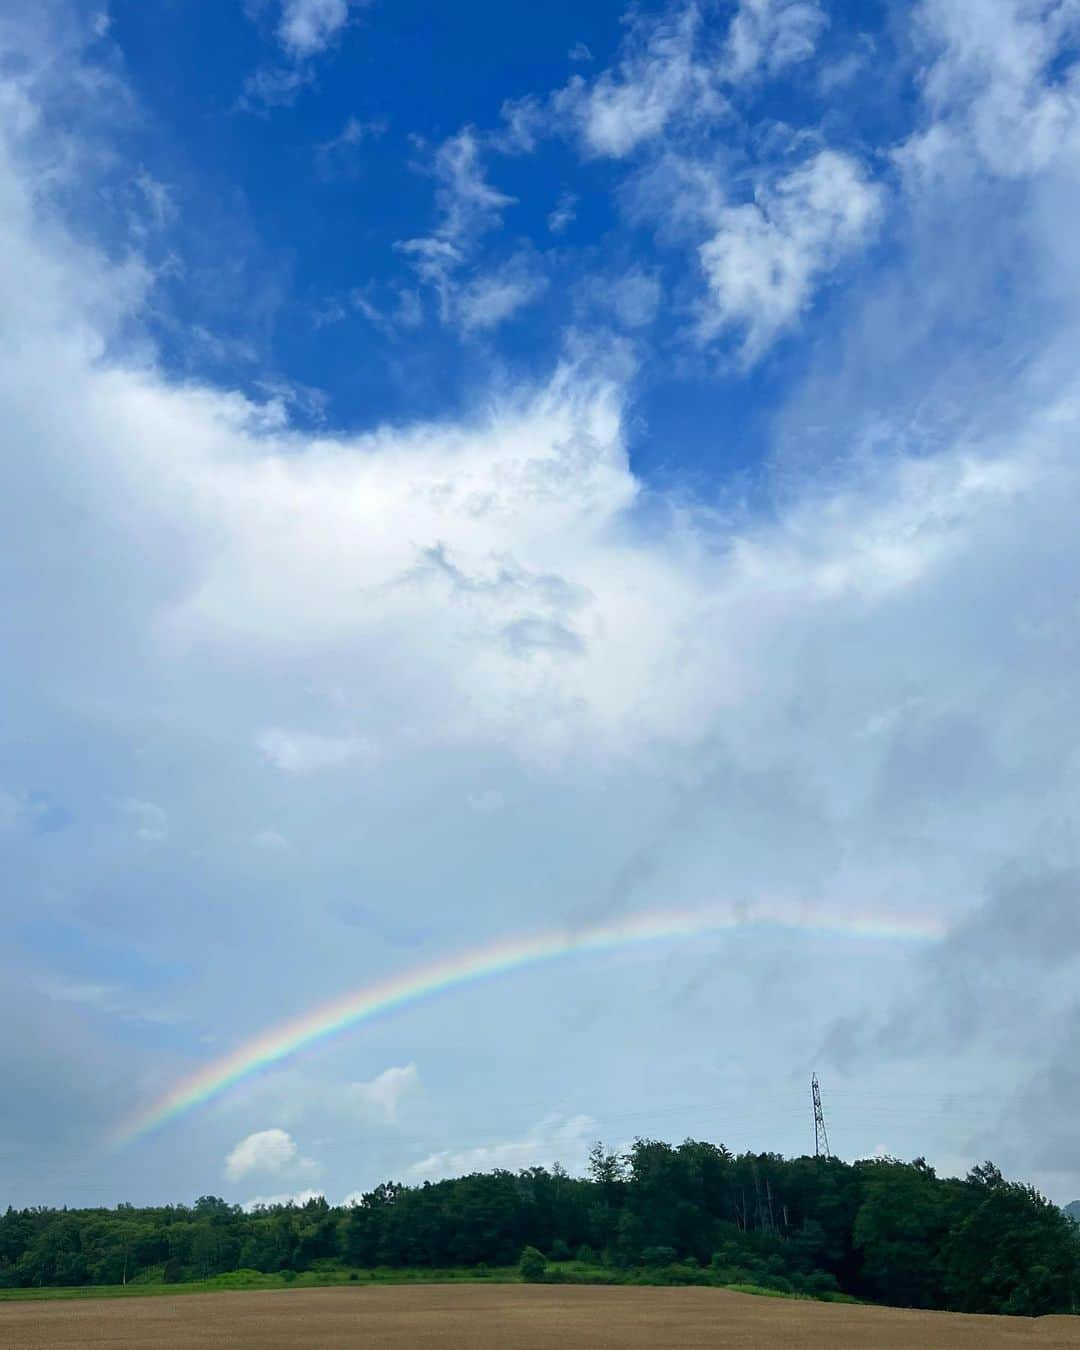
x: 509, y: 1317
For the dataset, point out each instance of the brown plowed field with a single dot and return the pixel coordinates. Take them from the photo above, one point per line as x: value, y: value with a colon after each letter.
x: 508, y: 1317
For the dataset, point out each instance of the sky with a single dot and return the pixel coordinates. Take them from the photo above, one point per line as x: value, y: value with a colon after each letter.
x: 476, y: 471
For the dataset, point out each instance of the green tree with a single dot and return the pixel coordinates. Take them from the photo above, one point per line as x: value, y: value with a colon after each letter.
x: 1014, y: 1252
x: 532, y: 1266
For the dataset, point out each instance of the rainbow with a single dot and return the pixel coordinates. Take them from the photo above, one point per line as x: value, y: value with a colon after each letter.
x: 484, y: 962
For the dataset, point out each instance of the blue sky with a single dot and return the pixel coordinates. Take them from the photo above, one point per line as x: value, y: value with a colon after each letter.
x: 470, y: 470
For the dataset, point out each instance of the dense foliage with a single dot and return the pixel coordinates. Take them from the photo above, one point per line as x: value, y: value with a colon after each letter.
x: 879, y: 1229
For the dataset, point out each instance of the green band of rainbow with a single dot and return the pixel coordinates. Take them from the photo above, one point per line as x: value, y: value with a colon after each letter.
x: 498, y: 958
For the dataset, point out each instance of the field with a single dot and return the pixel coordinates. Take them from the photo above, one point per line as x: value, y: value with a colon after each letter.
x: 507, y: 1317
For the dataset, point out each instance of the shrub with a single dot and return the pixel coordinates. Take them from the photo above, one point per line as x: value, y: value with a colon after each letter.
x: 532, y: 1266
x: 560, y: 1251
x: 820, y: 1282
x: 684, y: 1273
x: 658, y: 1256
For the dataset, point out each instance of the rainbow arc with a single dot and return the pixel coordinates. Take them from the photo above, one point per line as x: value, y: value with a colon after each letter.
x: 487, y: 961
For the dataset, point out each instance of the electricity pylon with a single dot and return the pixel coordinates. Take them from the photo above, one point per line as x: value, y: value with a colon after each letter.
x: 821, y: 1138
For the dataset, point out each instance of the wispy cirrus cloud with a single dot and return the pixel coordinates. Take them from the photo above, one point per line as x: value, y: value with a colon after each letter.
x: 468, y: 207
x: 339, y: 156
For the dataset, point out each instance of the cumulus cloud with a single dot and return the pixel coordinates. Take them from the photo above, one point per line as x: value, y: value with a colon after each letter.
x: 382, y: 1098
x: 296, y: 1096
x: 272, y: 1150
x: 555, y: 1139
x: 767, y: 256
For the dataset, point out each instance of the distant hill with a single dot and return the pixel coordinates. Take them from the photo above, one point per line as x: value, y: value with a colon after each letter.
x: 1073, y: 1210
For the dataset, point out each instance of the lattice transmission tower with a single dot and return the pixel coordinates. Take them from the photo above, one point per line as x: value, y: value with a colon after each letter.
x: 821, y: 1137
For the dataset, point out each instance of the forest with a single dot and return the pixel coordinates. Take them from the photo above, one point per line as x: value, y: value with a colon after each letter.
x: 879, y: 1230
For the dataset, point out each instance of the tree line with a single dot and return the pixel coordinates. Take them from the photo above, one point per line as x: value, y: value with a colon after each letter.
x: 880, y: 1229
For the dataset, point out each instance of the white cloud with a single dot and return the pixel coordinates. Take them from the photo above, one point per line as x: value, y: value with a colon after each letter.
x: 634, y: 297
x: 382, y: 1098
x: 767, y: 36
x: 491, y: 298
x: 672, y: 76
x: 841, y: 72
x: 658, y: 78
x: 158, y: 198
x: 337, y: 156
x: 296, y: 1096
x: 554, y: 1140
x: 305, y: 29
x: 526, y: 121
x: 272, y: 841
x: 148, y: 820
x: 989, y: 85
x: 264, y: 1151
x: 564, y: 213
x: 404, y: 311
x: 308, y: 26
x: 273, y: 87
x: 767, y: 257
x: 479, y: 582
x: 468, y: 207
x: 302, y: 752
